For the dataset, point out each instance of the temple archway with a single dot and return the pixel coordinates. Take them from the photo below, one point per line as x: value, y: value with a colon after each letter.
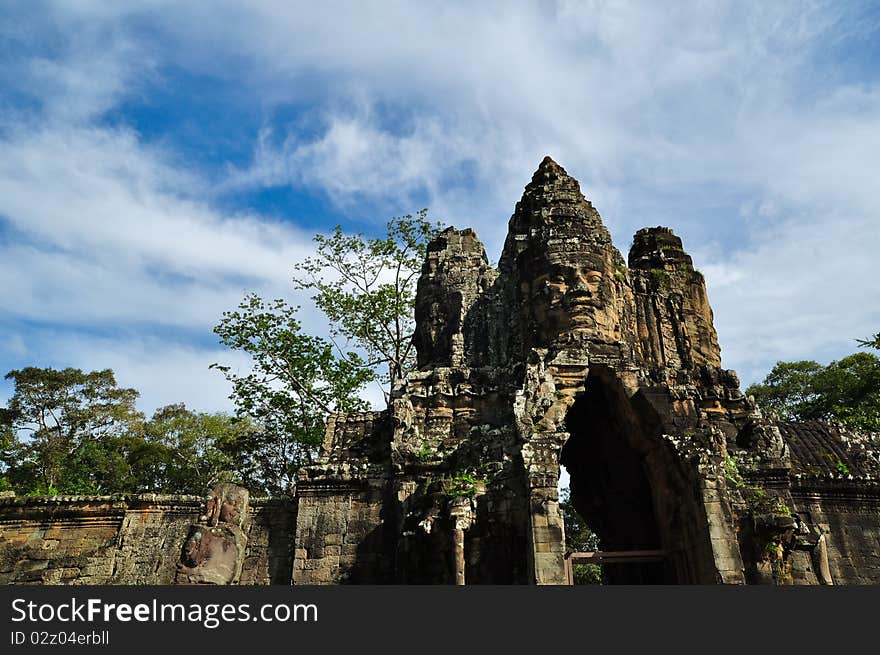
x: 626, y: 483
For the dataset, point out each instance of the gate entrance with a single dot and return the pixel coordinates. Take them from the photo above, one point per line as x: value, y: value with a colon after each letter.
x: 613, y: 488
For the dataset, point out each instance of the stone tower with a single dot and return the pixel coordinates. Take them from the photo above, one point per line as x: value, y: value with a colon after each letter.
x: 567, y: 354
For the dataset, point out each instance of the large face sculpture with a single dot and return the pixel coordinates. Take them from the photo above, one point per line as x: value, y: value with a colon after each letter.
x: 570, y: 294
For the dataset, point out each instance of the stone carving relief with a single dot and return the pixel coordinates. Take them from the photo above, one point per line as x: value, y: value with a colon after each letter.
x: 214, y: 550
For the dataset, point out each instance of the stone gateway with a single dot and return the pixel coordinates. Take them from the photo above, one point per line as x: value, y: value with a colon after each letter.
x: 565, y: 355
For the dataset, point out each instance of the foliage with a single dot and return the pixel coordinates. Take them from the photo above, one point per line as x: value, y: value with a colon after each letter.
x: 847, y: 391
x: 661, y: 276
x: 579, y: 538
x: 586, y: 573
x: 366, y: 287
x: 426, y: 453
x: 788, y: 391
x: 295, y: 383
x: 873, y: 342
x: 731, y: 472
x: 462, y: 484
x: 759, y: 502
x: 187, y: 452
x: 68, y: 432
x: 8, y: 452
x: 756, y: 498
x: 842, y: 468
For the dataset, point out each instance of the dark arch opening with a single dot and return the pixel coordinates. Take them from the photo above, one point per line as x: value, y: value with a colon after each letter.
x: 613, y: 485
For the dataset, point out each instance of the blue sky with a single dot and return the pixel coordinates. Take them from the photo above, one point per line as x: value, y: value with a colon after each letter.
x: 160, y: 159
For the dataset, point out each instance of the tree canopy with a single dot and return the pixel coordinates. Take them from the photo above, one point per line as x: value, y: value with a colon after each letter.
x: 846, y: 391
x: 70, y: 432
x: 367, y: 287
x: 76, y: 426
x: 297, y: 380
x: 873, y: 342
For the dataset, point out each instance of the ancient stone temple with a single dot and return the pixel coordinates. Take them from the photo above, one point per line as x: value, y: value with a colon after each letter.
x: 565, y: 355
x: 568, y: 355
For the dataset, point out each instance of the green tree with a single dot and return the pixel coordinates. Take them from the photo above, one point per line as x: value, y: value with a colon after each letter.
x: 190, y: 452
x: 846, y: 391
x: 8, y: 452
x: 367, y: 287
x: 78, y: 433
x: 62, y: 430
x: 295, y: 383
x: 873, y: 342
x: 579, y: 538
x: 789, y: 390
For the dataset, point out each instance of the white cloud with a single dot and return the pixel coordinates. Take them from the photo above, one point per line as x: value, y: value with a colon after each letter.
x: 667, y: 115
x: 726, y: 121
x: 72, y: 59
x: 162, y: 370
x: 806, y: 290
x: 109, y: 231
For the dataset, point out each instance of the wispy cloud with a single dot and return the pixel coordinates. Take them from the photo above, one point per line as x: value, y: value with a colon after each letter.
x: 105, y: 228
x: 750, y: 128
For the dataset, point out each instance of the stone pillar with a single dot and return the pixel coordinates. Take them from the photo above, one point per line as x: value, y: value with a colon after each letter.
x: 546, y: 527
x: 726, y: 556
x: 461, y: 513
x: 545, y: 540
x: 820, y: 562
x: 458, y: 544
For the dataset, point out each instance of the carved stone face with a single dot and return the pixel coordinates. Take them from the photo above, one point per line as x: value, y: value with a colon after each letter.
x: 227, y: 503
x: 569, y: 295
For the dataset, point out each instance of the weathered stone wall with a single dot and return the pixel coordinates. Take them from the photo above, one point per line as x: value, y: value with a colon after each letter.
x: 341, y: 506
x: 339, y: 532
x: 465, y: 463
x: 848, y: 519
x: 808, y: 504
x: 133, y: 540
